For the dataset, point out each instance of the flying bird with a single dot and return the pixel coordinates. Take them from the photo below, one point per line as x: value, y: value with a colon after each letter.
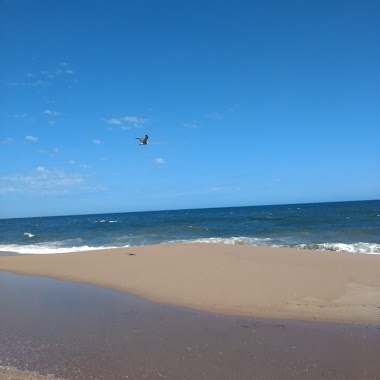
x: 143, y: 141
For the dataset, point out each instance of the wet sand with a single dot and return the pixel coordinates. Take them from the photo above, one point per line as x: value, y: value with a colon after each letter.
x: 14, y: 374
x: 231, y: 279
x: 83, y: 332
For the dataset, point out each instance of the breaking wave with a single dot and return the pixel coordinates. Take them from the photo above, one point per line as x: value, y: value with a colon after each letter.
x: 42, y: 249
x: 127, y: 241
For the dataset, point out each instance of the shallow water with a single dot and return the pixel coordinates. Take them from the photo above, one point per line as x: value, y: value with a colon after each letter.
x: 81, y: 332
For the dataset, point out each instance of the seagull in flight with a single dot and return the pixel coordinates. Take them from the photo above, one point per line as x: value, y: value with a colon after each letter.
x: 143, y: 141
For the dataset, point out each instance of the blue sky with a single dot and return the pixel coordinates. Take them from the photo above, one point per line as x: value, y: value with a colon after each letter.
x: 245, y: 103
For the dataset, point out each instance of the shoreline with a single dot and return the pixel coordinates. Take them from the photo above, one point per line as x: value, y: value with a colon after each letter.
x: 83, y: 332
x: 15, y: 374
x: 263, y: 282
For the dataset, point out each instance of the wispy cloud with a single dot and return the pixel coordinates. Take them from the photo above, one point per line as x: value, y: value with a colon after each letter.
x: 47, y: 76
x: 50, y: 112
x: 97, y: 142
x: 126, y: 122
x: 159, y: 161
x: 82, y: 165
x: 134, y: 120
x: 210, y: 116
x: 85, y: 166
x: 223, y: 189
x: 221, y: 115
x: 51, y: 152
x: 114, y: 121
x: 48, y: 181
x: 215, y: 116
x: 31, y: 138
x: 191, y: 125
x: 31, y: 83
x: 7, y: 140
x: 60, y: 71
x: 41, y: 180
x: 18, y: 115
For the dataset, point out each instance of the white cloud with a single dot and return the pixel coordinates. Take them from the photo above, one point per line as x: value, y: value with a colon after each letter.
x: 34, y: 83
x: 97, y: 142
x: 52, y: 152
x: 52, y: 113
x: 7, y: 140
x: 159, y: 161
x: 41, y: 169
x: 190, y: 125
x: 31, y: 138
x: 49, y: 182
x: 46, y: 77
x: 71, y: 162
x: 134, y: 120
x: 127, y: 122
x: 47, y: 74
x: 51, y: 74
x: 113, y: 121
x: 19, y: 115
x: 41, y: 180
x: 215, y: 116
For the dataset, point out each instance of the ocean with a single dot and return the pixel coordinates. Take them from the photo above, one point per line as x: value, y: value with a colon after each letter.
x: 340, y: 226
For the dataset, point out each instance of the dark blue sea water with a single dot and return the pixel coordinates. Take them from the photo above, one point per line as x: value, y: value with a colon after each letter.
x: 341, y: 226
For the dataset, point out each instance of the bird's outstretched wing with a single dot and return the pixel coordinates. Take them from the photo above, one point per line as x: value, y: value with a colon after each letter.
x: 143, y: 140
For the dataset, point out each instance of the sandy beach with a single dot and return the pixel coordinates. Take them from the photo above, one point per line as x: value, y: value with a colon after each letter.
x: 260, y: 282
x: 72, y: 331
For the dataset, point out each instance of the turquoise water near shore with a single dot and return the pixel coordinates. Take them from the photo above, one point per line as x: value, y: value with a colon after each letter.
x: 339, y: 226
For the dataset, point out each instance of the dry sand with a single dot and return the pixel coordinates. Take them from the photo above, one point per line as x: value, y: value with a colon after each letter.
x: 238, y: 280
x: 83, y: 332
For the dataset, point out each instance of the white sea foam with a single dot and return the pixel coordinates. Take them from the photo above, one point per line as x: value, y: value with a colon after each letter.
x: 239, y: 240
x: 29, y: 234
x: 46, y: 249
x: 52, y: 248
x: 369, y: 248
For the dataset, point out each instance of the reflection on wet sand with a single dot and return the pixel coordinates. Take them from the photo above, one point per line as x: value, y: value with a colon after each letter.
x: 82, y: 332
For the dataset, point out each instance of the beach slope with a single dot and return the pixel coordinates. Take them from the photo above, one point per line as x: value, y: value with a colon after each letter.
x: 232, y: 279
